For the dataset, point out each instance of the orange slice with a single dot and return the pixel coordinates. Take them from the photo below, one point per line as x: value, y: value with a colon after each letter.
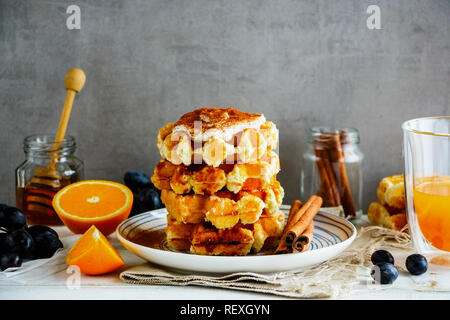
x: 93, y: 254
x: 104, y: 204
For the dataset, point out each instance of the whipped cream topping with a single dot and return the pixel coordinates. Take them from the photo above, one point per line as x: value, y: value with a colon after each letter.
x: 226, y: 133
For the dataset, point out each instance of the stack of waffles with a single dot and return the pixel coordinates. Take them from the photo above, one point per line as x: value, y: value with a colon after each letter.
x: 217, y: 178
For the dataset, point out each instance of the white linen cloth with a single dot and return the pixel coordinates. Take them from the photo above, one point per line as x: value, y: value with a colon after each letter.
x: 345, y: 274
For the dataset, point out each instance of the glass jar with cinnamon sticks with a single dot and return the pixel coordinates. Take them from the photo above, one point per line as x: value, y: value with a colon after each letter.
x: 331, y: 168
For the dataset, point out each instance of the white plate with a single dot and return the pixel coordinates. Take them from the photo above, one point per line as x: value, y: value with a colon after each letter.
x: 332, y: 235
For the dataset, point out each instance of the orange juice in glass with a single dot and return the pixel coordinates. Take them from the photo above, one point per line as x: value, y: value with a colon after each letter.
x: 432, y: 206
x: 426, y: 147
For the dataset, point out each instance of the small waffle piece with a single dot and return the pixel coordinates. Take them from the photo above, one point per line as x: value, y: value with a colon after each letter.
x: 179, y: 234
x: 267, y: 229
x: 379, y: 215
x: 391, y: 191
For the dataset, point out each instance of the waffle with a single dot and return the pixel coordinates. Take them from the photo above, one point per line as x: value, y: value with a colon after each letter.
x: 391, y: 192
x: 265, y: 232
x: 207, y: 240
x: 242, y: 139
x: 258, y: 172
x: 380, y: 215
x: 203, y: 179
x: 217, y: 122
x: 179, y: 234
x: 223, y: 209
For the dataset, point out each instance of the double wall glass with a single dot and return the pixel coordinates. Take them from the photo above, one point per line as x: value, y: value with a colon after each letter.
x: 426, y: 143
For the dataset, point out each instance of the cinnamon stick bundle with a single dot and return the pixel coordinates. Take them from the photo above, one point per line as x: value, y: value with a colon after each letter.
x: 292, y: 218
x: 306, y: 213
x: 335, y: 187
x: 300, y: 223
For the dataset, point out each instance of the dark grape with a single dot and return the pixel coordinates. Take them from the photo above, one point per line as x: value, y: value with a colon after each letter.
x: 46, y: 243
x: 20, y: 242
x: 136, y: 181
x: 136, y: 208
x: 149, y: 200
x: 2, y: 238
x: 9, y: 260
x: 37, y: 229
x: 12, y: 218
x: 2, y: 206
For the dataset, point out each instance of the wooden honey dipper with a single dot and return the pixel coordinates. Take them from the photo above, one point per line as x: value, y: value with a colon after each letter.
x: 46, y: 181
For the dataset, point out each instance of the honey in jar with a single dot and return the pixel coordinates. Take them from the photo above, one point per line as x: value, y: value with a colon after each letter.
x: 44, y: 172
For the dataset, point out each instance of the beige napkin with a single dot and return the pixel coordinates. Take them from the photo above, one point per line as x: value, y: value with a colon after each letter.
x: 336, y: 277
x: 288, y: 284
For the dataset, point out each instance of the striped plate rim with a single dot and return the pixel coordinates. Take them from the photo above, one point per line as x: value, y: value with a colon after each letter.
x: 329, y: 229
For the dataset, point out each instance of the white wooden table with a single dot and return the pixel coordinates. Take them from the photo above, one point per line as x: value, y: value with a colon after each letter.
x: 61, y: 286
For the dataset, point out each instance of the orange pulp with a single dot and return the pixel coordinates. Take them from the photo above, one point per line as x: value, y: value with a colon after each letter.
x: 93, y: 254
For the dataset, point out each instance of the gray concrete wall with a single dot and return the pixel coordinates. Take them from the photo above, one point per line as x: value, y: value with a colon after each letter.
x: 301, y: 63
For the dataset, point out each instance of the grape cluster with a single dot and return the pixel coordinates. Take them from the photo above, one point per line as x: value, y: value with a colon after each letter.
x: 146, y: 195
x: 19, y: 242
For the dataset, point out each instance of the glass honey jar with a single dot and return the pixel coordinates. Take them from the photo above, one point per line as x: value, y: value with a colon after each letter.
x: 48, y: 167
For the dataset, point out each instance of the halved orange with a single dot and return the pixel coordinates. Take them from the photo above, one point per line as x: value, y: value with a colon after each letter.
x: 104, y: 204
x: 93, y: 254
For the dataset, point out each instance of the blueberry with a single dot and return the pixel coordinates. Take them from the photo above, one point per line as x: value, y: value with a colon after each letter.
x: 382, y: 256
x: 136, y: 181
x: 20, y: 242
x: 384, y: 273
x: 149, y: 199
x: 12, y: 218
x: 416, y: 264
x: 9, y: 260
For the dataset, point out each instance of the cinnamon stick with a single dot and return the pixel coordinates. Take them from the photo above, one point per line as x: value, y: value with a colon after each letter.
x: 324, y: 195
x: 326, y: 172
x: 302, y: 242
x: 337, y: 157
x: 292, y: 218
x: 295, y: 206
x: 307, y: 213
